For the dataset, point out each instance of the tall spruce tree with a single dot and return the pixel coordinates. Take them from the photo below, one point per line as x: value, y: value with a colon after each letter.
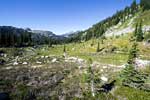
x: 135, y: 31
x: 90, y: 79
x: 134, y: 7
x: 132, y: 53
x: 98, y: 47
x: 64, y: 50
x: 140, y: 34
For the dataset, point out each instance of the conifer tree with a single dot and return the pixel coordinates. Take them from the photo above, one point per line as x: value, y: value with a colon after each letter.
x: 145, y: 4
x: 64, y: 50
x: 91, y: 77
x: 132, y: 53
x: 133, y: 7
x: 98, y: 47
x: 136, y: 31
x: 140, y: 35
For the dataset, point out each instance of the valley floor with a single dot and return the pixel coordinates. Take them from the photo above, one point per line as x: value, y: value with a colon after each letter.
x: 44, y: 73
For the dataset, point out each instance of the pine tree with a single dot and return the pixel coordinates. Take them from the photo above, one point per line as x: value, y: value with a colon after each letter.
x: 136, y: 31
x: 64, y: 50
x: 140, y: 35
x: 132, y: 53
x: 91, y: 77
x: 133, y: 7
x: 98, y: 47
x: 129, y: 76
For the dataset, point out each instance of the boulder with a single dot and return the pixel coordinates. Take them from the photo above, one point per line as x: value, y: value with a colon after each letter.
x: 38, y: 62
x: 80, y: 60
x: 46, y: 56
x: 141, y: 63
x: 42, y: 56
x: 54, y: 60
x: 15, y: 63
x: 103, y: 78
x: 24, y: 63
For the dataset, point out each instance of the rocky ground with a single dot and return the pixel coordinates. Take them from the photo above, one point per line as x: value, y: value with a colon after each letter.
x: 30, y: 76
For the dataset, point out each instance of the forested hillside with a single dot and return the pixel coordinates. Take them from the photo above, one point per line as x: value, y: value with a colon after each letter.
x: 17, y: 37
x: 98, y: 30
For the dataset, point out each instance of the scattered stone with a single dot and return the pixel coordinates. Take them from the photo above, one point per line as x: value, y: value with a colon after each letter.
x: 72, y: 58
x: 54, y: 60
x: 42, y: 56
x: 104, y: 67
x: 37, y: 66
x: 122, y: 66
x: 141, y: 63
x: 145, y: 43
x: 2, y: 53
x: 102, y: 70
x: 80, y: 67
x: 39, y: 62
x: 46, y: 56
x: 9, y: 67
x: 24, y: 63
x: 80, y: 60
x: 105, y: 79
x: 73, y: 49
x: 65, y: 55
x: 5, y: 55
x: 15, y: 63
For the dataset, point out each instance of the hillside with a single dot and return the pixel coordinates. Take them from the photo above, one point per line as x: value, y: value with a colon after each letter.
x: 19, y: 37
x: 123, y: 21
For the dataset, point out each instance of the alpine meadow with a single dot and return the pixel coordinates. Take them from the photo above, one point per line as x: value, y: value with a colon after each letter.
x: 109, y: 60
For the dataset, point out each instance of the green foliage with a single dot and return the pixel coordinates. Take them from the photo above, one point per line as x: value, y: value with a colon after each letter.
x: 98, y: 47
x: 134, y: 7
x: 138, y: 34
x: 132, y: 53
x: 99, y: 96
x: 23, y: 92
x: 128, y: 93
x: 64, y: 49
x: 147, y: 37
x: 132, y: 78
x: 89, y: 71
x: 145, y: 4
x: 16, y: 37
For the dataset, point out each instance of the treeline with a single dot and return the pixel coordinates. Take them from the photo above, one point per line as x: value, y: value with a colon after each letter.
x: 17, y: 37
x: 145, y: 4
x: 100, y: 28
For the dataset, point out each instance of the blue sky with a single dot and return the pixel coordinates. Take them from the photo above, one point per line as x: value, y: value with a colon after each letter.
x: 58, y: 16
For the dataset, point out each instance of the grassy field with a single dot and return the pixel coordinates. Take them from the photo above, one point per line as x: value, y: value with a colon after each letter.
x: 114, y: 51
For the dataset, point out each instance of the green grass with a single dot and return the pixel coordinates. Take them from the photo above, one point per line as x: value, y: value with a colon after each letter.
x: 132, y: 94
x: 85, y: 50
x: 144, y: 17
